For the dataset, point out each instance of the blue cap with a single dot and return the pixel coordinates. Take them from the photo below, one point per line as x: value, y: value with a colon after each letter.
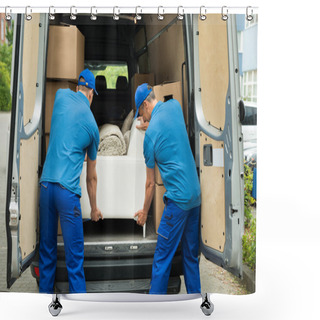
x: 141, y: 94
x: 90, y: 81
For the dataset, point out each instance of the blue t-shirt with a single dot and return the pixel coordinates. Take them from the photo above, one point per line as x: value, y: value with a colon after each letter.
x: 73, y: 133
x: 166, y: 143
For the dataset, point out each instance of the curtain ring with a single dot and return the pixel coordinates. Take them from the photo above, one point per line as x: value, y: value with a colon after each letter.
x: 203, y: 13
x: 93, y: 13
x: 138, y: 11
x: 52, y: 11
x: 28, y: 13
x: 8, y: 12
x: 249, y: 16
x: 160, y: 15
x: 224, y: 15
x: 116, y: 14
x: 180, y: 13
x: 73, y: 13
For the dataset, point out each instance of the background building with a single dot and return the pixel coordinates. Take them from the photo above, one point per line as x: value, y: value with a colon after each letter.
x: 247, y: 47
x: 3, y: 27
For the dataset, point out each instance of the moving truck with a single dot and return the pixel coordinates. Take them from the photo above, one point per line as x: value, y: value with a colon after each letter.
x: 191, y: 60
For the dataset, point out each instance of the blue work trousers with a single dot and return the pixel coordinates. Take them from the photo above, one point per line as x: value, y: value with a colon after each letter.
x: 177, y: 225
x: 57, y: 201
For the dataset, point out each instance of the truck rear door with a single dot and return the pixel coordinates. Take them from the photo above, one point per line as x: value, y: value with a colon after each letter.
x: 213, y: 72
x: 28, y: 84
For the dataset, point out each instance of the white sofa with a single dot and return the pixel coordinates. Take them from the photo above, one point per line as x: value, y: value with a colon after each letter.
x: 121, y: 181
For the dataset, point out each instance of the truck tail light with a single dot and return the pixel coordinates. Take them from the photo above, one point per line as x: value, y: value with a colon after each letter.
x: 36, y: 271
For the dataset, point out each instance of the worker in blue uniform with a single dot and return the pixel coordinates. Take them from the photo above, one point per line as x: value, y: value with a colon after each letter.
x: 74, y: 133
x: 166, y: 144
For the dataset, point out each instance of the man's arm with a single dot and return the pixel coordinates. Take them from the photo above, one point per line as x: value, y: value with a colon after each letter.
x: 92, y: 189
x: 149, y: 192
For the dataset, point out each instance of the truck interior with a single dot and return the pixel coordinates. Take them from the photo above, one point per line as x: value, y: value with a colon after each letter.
x: 125, y: 47
x: 122, y: 45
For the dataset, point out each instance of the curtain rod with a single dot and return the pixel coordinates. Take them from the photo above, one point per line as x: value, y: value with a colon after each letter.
x: 130, y: 10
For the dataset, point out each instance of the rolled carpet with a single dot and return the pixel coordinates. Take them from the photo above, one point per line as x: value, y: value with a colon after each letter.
x: 111, y: 141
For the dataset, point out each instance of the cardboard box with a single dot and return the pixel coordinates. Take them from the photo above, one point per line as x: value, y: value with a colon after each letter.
x: 59, y: 228
x: 157, y: 176
x: 47, y: 135
x: 136, y: 80
x: 65, y: 53
x: 167, y: 91
x: 51, y: 89
x: 158, y: 205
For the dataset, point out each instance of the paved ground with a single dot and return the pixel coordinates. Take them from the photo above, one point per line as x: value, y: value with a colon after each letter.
x: 213, y: 278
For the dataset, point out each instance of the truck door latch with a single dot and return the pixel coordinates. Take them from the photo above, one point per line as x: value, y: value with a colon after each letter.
x: 14, y: 214
x: 233, y: 210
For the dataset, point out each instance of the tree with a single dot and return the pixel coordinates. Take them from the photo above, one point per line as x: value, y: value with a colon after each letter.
x: 6, y: 55
x: 5, y: 71
x: 5, y: 97
x: 9, y: 33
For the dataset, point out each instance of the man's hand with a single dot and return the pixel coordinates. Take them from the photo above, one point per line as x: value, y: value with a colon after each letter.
x: 143, y: 124
x: 96, y: 215
x: 141, y: 217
